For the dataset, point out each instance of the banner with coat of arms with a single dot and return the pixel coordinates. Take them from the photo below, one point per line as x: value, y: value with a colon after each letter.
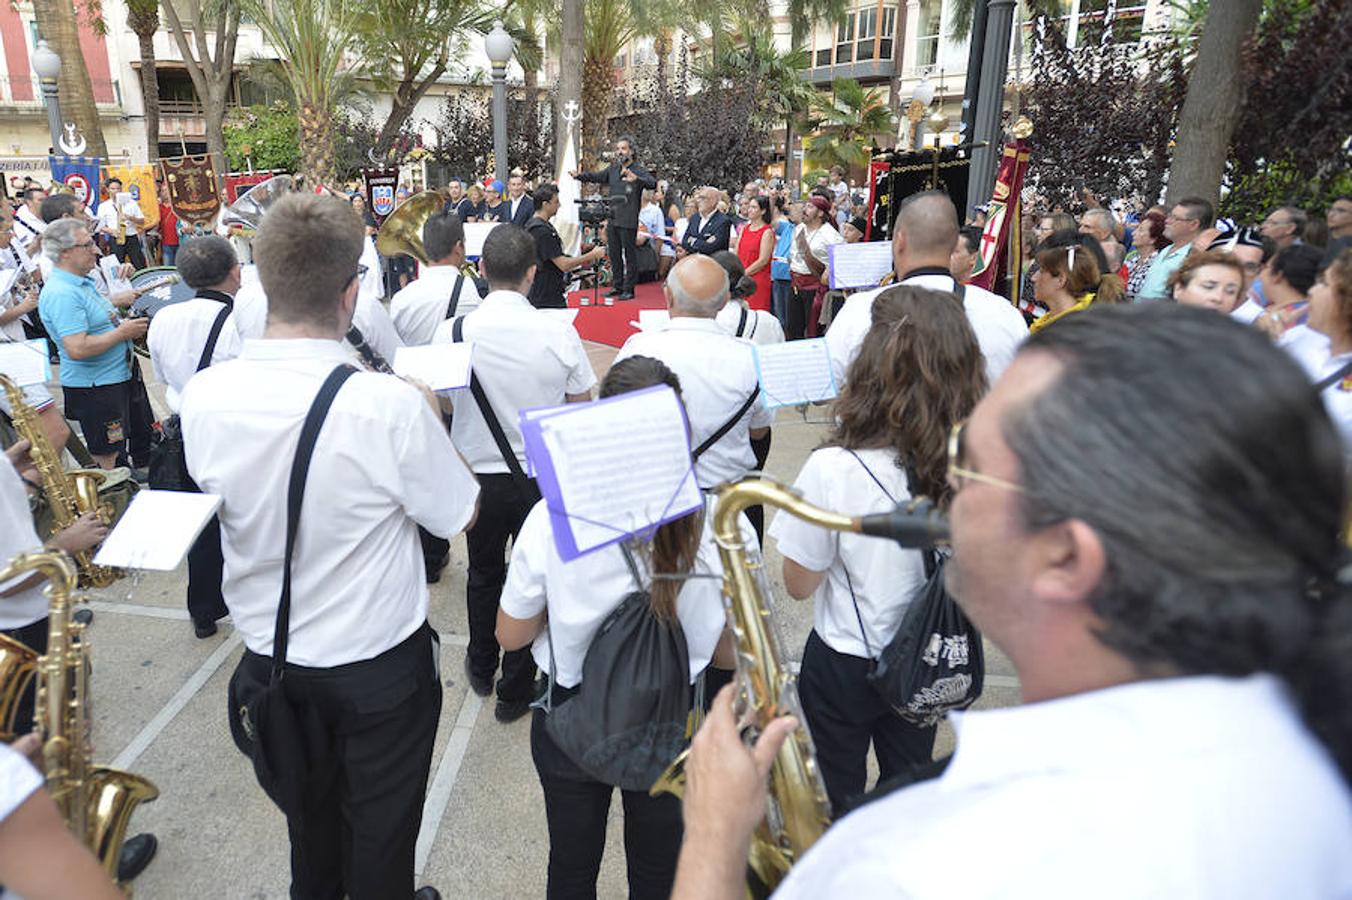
x: 1001, y: 252
x: 139, y: 181
x: 380, y: 185
x: 80, y: 175
x: 237, y: 184
x: 193, y: 192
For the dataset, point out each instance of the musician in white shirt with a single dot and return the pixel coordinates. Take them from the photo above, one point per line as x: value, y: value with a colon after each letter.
x: 121, y: 220
x: 28, y: 224
x: 362, y: 660
x: 1175, y: 701
x: 426, y: 302
x: 924, y: 235
x: 523, y: 358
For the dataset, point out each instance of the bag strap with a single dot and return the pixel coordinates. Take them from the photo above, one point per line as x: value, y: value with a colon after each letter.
x: 857, y: 615
x: 205, y: 359
x: 886, y: 492
x: 741, y: 322
x: 455, y: 294
x: 295, y: 493
x: 1325, y: 383
x: 490, y: 418
x: 726, y: 426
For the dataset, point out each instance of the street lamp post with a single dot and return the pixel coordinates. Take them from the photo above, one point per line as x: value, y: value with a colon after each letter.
x: 47, y: 65
x: 498, y: 45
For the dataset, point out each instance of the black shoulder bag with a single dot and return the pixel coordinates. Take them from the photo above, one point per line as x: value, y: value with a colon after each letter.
x: 626, y: 722
x: 1325, y: 383
x: 275, y: 737
x: 725, y: 427
x: 168, y: 467
x: 491, y: 419
x: 935, y: 662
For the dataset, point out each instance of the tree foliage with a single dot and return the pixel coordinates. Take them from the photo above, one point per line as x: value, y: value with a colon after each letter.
x: 844, y: 124
x: 1291, y: 144
x: 1104, y: 114
x: 266, y: 137
x: 464, y: 135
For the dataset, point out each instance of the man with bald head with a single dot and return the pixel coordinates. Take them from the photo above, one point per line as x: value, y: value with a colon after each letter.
x: 922, y: 244
x: 717, y: 371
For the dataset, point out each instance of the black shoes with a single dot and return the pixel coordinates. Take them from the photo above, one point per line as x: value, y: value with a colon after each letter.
x: 427, y: 892
x: 511, y: 710
x: 481, y: 686
x: 83, y: 616
x: 203, y: 629
x: 434, y: 569
x: 627, y: 295
x: 137, y: 852
x: 614, y: 292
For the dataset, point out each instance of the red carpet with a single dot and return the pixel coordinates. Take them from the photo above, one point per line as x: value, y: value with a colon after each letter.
x: 610, y: 324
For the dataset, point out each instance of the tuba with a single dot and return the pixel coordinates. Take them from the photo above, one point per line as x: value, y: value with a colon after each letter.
x: 797, y: 811
x: 246, y: 214
x: 96, y: 802
x: 69, y: 494
x: 401, y: 232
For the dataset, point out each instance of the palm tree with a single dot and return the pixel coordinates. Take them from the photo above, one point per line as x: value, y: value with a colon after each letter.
x: 143, y: 18
x: 313, y: 39
x: 56, y: 22
x: 845, y: 123
x: 609, y: 29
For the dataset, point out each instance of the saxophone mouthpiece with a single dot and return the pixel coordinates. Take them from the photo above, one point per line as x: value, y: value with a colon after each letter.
x: 916, y: 523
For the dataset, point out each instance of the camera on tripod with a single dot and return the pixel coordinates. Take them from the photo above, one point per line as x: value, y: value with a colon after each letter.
x: 593, y: 210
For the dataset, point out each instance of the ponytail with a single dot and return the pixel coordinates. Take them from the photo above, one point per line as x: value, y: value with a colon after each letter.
x: 1109, y: 289
x: 674, y: 548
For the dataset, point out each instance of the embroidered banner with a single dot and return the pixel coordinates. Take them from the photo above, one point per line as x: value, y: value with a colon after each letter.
x: 380, y: 185
x: 1001, y: 250
x: 80, y: 175
x: 237, y: 183
x: 193, y: 192
x: 139, y: 181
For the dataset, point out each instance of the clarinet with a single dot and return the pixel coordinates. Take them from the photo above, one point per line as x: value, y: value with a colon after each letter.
x: 369, y: 357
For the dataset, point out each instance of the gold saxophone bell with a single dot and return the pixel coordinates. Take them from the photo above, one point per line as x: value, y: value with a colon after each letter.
x: 402, y: 230
x: 18, y: 662
x: 798, y: 810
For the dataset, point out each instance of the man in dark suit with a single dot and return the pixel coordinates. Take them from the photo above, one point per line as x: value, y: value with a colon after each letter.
x: 709, y: 230
x: 625, y: 183
x: 520, y: 206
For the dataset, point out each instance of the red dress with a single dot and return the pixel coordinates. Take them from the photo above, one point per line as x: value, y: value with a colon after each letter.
x: 748, y: 251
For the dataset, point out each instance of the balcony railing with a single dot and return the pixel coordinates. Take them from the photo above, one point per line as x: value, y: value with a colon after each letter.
x: 26, y: 93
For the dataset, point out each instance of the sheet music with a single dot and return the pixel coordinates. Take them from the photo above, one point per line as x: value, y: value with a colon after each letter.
x: 475, y: 232
x: 651, y: 319
x: 25, y: 362
x: 612, y: 468
x: 157, y: 529
x: 442, y: 367
x: 7, y: 279
x: 859, y: 265
x: 795, y: 372
x: 568, y: 315
x: 110, y: 265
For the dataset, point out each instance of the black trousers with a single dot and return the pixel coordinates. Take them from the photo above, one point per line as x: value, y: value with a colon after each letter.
x: 622, y: 247
x: 206, y: 570
x: 503, y: 507
x: 800, y: 307
x: 845, y: 715
x: 577, y: 806
x: 33, y: 636
x: 130, y: 251
x: 379, y: 718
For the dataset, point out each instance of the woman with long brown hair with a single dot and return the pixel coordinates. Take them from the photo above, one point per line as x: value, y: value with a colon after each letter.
x: 1068, y: 279
x: 548, y: 601
x: 918, y: 373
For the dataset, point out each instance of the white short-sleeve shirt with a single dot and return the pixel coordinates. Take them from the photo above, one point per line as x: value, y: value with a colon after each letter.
x: 524, y: 359
x: 884, y: 576
x: 18, y: 781
x: 761, y: 327
x: 27, y: 226
x: 818, y: 243
x: 582, y: 592
x: 178, y: 335
x: 1312, y: 350
x: 369, y: 317
x: 718, y: 374
x: 17, y: 535
x: 998, y: 326
x: 383, y: 465
x: 1207, y: 788
x: 421, y: 306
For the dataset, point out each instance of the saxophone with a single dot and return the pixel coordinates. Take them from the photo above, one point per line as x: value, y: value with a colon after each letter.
x: 95, y: 801
x: 70, y: 494
x: 797, y: 811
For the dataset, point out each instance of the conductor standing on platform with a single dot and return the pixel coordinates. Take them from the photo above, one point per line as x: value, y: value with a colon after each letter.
x: 625, y: 183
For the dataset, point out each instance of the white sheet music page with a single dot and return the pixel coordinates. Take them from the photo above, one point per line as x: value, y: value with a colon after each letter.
x: 795, y: 372
x: 860, y: 265
x: 568, y: 315
x: 157, y: 529
x: 652, y: 319
x: 442, y: 367
x: 475, y: 232
x: 24, y: 362
x: 618, y: 467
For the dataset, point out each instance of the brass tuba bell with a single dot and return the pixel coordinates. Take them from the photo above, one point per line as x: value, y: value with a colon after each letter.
x: 246, y: 214
x: 402, y: 229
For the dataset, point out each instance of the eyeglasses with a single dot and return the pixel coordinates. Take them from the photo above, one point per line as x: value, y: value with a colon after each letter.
x: 958, y: 474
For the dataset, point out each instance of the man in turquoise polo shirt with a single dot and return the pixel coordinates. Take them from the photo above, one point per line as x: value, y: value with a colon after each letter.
x: 93, y: 341
x: 1185, y: 221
